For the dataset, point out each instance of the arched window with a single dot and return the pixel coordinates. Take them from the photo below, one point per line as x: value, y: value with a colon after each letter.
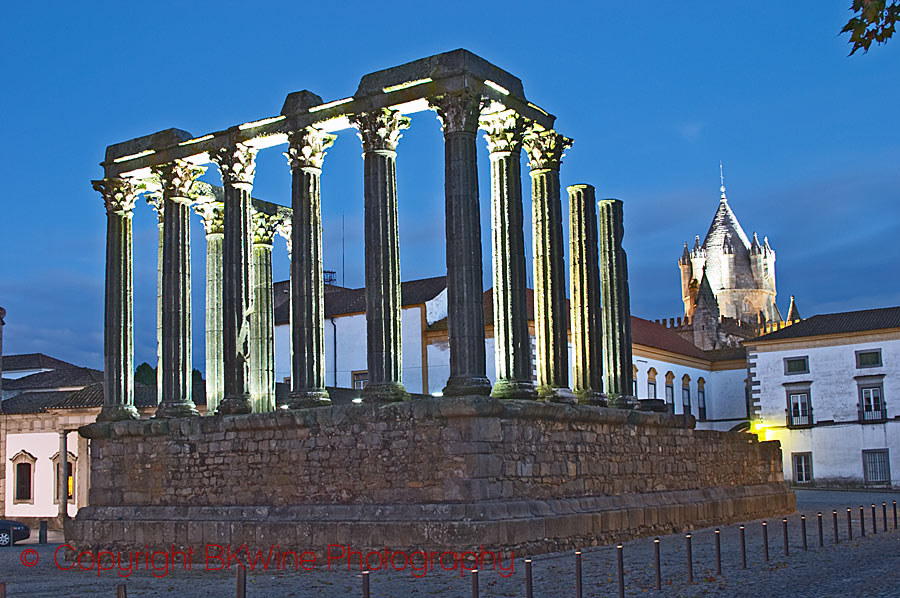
x: 746, y: 308
x: 701, y: 398
x: 23, y: 471
x: 70, y: 477
x: 670, y: 391
x: 686, y: 394
x: 651, y: 383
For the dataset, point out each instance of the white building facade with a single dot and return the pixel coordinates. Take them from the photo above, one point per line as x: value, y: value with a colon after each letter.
x: 826, y: 388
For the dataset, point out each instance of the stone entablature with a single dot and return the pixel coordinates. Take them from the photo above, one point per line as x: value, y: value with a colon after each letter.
x: 508, y: 464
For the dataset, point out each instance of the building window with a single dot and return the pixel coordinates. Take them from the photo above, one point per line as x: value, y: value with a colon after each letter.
x: 670, y: 398
x: 360, y: 379
x: 799, y: 411
x: 796, y: 365
x: 70, y: 478
x: 802, y: 467
x: 871, y: 405
x: 23, y: 470
x: 701, y: 403
x: 868, y: 359
x: 651, y: 390
x: 876, y: 467
x: 686, y: 394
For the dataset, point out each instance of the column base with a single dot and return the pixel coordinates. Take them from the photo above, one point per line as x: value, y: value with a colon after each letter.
x: 622, y: 401
x: 514, y: 389
x: 654, y: 405
x: 556, y: 394
x: 308, y: 399
x: 467, y: 387
x: 386, y: 392
x: 117, y: 413
x: 591, y: 397
x: 173, y: 410
x: 235, y: 406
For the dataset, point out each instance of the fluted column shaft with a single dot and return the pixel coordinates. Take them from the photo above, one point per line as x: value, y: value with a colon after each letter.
x: 380, y: 133
x: 177, y: 179
x: 237, y: 164
x: 545, y: 151
x: 118, y: 338
x: 458, y: 114
x: 616, y: 311
x: 156, y: 201
x: 213, y: 214
x: 306, y: 154
x: 584, y: 277
x: 262, y: 321
x: 511, y: 339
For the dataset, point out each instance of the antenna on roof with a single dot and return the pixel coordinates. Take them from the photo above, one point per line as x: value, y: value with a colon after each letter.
x: 722, y: 178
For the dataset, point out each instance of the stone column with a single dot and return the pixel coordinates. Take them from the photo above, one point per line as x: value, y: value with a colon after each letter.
x: 380, y: 133
x: 237, y: 163
x: 118, y: 328
x: 213, y: 215
x: 551, y: 318
x: 306, y: 154
x: 458, y: 114
x: 177, y: 180
x: 156, y: 202
x: 584, y: 277
x: 262, y: 320
x: 616, y: 312
x: 62, y: 487
x: 505, y: 132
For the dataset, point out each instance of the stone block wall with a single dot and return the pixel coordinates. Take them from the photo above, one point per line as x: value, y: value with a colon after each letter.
x: 432, y: 473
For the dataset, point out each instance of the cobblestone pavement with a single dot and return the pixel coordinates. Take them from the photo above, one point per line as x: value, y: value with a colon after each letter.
x: 863, y: 567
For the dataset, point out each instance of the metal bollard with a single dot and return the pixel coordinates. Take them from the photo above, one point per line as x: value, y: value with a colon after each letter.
x: 884, y: 515
x: 241, y: 582
x: 862, y: 521
x: 121, y: 591
x: 766, y: 540
x: 718, y: 553
x: 849, y: 525
x: 529, y: 587
x: 836, y: 539
x: 578, y: 574
x: 42, y: 532
x: 621, y: 562
x: 474, y: 583
x: 690, y: 559
x: 743, y: 549
x: 784, y: 533
x: 895, y: 514
x: 365, y: 584
x: 656, y: 564
x: 821, y: 532
x: 803, y: 531
x: 874, y: 521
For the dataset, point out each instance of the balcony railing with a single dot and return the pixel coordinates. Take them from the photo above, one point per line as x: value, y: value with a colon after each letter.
x: 872, y: 415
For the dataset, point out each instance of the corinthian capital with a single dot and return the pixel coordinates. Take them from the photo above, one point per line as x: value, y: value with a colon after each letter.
x: 545, y: 148
x: 306, y: 148
x: 284, y: 231
x: 237, y: 163
x: 119, y: 195
x: 213, y: 215
x: 459, y: 111
x: 265, y: 227
x: 155, y: 201
x: 177, y: 179
x: 380, y: 130
x: 504, y: 131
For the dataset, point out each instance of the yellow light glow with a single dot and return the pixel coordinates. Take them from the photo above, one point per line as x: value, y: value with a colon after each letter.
x: 330, y: 105
x: 260, y: 123
x: 134, y: 156
x: 196, y: 140
x: 497, y: 87
x: 759, y: 426
x: 406, y: 85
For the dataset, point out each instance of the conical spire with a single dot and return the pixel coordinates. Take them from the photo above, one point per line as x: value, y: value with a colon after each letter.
x: 705, y: 295
x: 697, y: 243
x: 793, y: 312
x: 754, y: 246
x: 685, y: 255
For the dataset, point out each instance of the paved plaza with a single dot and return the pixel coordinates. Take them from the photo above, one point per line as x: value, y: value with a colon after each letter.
x: 865, y: 567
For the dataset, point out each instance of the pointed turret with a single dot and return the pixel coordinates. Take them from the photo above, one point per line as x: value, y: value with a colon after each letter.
x: 754, y: 246
x: 687, y: 274
x: 793, y: 312
x: 705, y: 320
x: 706, y: 298
x: 685, y: 255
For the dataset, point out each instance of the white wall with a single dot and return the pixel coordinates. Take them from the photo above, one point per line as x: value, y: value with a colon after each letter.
x: 42, y: 446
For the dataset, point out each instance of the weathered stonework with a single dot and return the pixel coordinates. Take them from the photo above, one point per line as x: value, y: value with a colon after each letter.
x: 450, y: 473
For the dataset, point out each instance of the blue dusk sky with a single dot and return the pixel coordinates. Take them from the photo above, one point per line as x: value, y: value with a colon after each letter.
x: 654, y: 94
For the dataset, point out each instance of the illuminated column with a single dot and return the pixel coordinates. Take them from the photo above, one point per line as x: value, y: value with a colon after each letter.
x: 380, y: 133
x: 551, y: 318
x: 62, y: 479
x: 616, y: 311
x: 584, y: 277
x: 237, y: 163
x: 458, y: 114
x: 513, y: 346
x: 156, y: 202
x: 262, y: 320
x: 177, y: 180
x: 306, y: 154
x: 118, y: 330
x: 213, y: 213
